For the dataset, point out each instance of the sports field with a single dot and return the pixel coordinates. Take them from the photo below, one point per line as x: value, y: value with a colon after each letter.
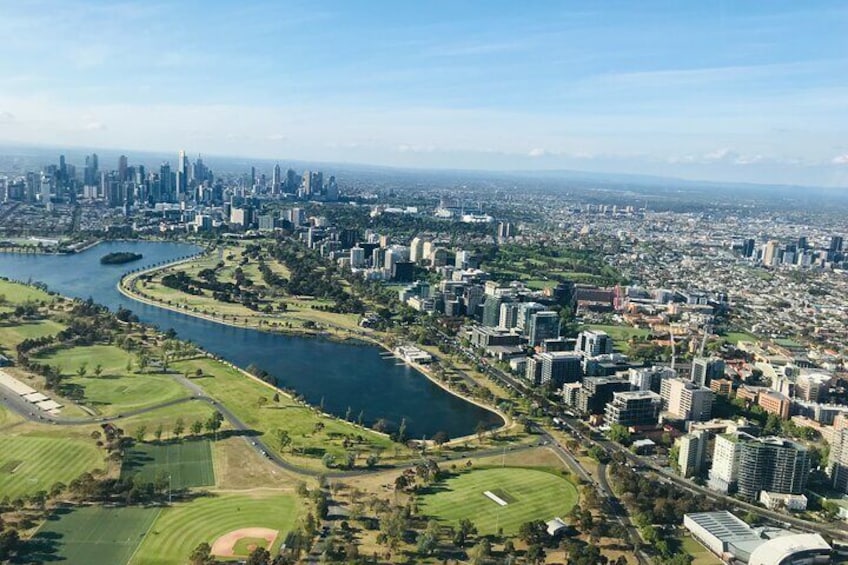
x: 83, y: 536
x: 116, y: 390
x: 188, y: 462
x: 181, y: 527
x: 29, y: 464
x: 530, y: 495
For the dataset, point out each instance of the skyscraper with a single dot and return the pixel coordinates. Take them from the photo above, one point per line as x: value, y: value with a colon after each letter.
x: 276, y: 179
x: 182, y: 175
x: 772, y: 464
x: 122, y: 168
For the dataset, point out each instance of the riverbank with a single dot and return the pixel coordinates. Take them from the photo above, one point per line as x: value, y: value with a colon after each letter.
x: 126, y: 287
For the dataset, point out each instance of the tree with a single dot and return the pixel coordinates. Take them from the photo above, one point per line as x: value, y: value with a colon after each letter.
x: 140, y: 432
x: 440, y: 438
x: 619, y: 434
x: 83, y: 369
x: 283, y: 439
x: 196, y: 427
x: 533, y: 532
x: 465, y: 529
x: 259, y: 556
x: 481, y: 552
x: 401, y: 433
x: 213, y: 424
x: 179, y: 427
x: 536, y: 553
x: 98, y: 370
x: 157, y: 433
x: 202, y: 555
x: 480, y: 430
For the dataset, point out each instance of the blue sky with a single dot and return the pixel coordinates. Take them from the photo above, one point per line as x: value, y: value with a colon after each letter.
x: 716, y: 90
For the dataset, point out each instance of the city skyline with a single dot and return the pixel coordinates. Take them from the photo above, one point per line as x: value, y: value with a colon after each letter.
x: 717, y: 92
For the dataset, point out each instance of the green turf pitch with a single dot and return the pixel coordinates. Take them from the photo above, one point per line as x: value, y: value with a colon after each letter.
x: 189, y: 462
x: 532, y: 495
x: 30, y: 463
x: 92, y: 535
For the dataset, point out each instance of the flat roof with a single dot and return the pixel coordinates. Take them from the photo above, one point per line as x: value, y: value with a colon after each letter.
x: 724, y: 526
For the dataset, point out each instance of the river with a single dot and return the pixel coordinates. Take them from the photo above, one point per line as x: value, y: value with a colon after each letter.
x: 341, y: 375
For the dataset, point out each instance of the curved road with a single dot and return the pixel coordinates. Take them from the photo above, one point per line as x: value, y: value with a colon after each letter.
x: 20, y: 406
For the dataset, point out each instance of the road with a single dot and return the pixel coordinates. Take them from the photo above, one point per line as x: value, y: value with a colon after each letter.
x: 836, y: 529
x: 26, y: 410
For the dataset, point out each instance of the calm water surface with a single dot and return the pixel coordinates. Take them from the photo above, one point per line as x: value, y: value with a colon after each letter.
x: 341, y: 375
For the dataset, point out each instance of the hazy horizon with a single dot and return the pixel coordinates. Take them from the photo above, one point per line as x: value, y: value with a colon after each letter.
x: 710, y: 92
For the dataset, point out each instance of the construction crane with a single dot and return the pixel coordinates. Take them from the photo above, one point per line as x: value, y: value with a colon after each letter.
x: 707, y: 331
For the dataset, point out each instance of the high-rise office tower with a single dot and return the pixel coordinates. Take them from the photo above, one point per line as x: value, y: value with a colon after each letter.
x: 182, y: 175
x: 166, y: 185
x: 772, y: 464
x: 836, y: 243
x: 770, y: 252
x: 693, y: 448
x: 122, y: 168
x: 705, y: 369
x: 276, y: 179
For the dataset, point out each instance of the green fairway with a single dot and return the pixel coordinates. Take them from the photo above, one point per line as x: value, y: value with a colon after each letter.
x: 83, y: 536
x: 188, y: 462
x: 181, y: 527
x: 116, y: 390
x: 19, y: 293
x: 531, y: 495
x: 29, y: 464
x: 11, y: 334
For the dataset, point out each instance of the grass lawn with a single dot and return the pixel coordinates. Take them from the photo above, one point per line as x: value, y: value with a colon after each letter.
x: 244, y: 546
x: 82, y: 536
x: 241, y: 395
x: 532, y: 495
x: 736, y: 337
x: 700, y: 554
x: 620, y: 333
x: 181, y: 527
x: 20, y: 293
x: 11, y: 334
x: 188, y: 462
x: 30, y: 463
x: 116, y: 390
x: 167, y: 417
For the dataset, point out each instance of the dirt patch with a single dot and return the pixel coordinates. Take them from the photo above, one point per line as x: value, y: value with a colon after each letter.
x: 225, y: 546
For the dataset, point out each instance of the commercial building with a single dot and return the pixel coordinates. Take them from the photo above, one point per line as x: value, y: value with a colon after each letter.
x: 724, y: 472
x: 650, y: 378
x: 772, y: 464
x: 813, y: 387
x: 685, y: 400
x: 633, y: 408
x: 732, y: 540
x: 559, y: 368
x: 595, y: 392
x: 783, y: 501
x: 592, y: 343
x: 705, y: 369
x: 837, y: 462
x: 543, y: 325
x: 692, y: 453
x: 774, y: 403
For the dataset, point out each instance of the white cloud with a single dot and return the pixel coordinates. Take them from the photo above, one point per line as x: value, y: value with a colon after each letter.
x: 6, y: 117
x: 537, y: 152
x: 94, y: 126
x: 276, y: 137
x: 840, y: 160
